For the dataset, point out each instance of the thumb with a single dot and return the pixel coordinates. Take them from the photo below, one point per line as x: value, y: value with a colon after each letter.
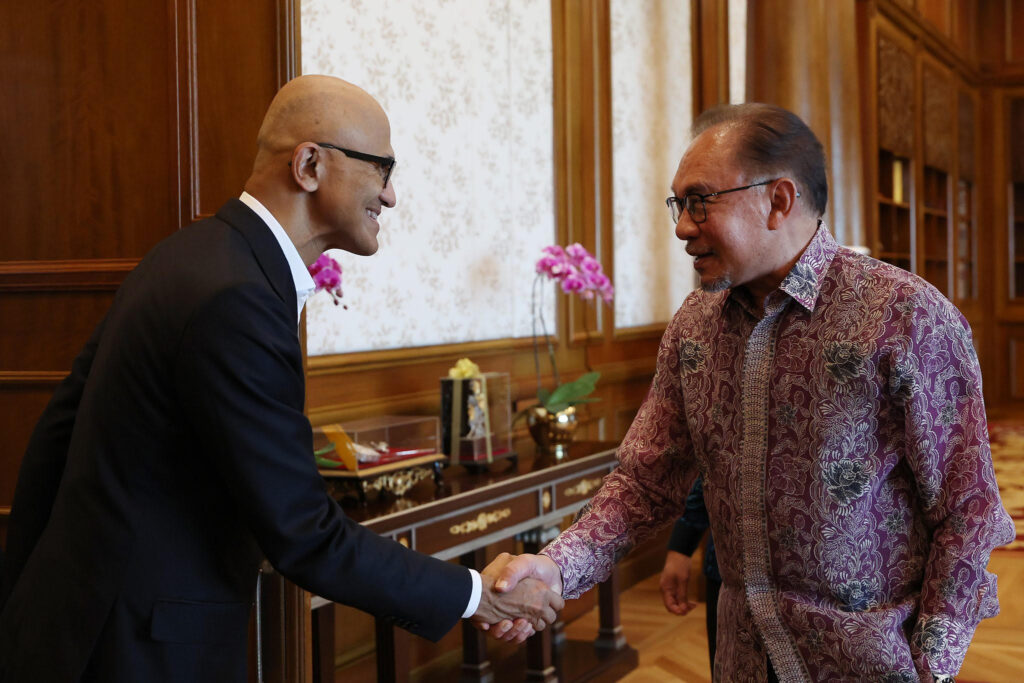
x: 514, y: 572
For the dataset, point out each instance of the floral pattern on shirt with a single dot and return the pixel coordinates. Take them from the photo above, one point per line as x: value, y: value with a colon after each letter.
x: 842, y: 439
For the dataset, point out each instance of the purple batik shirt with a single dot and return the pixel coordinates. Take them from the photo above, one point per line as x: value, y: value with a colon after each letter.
x: 842, y: 439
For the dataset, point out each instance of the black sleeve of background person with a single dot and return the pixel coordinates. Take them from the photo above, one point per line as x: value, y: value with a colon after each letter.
x: 241, y: 368
x: 690, y: 528
x: 42, y: 467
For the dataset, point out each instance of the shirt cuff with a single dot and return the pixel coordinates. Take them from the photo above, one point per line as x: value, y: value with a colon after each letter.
x: 474, y: 596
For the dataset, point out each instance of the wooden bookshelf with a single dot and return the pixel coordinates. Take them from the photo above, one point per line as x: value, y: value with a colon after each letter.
x: 966, y: 242
x: 935, y: 224
x: 1016, y: 212
x: 895, y: 236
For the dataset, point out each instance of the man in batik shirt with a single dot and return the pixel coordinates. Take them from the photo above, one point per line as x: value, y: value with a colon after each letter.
x: 832, y: 404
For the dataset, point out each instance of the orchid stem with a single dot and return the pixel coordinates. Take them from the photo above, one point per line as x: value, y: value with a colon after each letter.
x: 547, y: 340
x: 586, y: 341
x: 533, y: 321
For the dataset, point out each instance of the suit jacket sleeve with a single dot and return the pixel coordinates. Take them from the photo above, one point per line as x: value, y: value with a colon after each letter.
x: 42, y: 468
x: 239, y: 376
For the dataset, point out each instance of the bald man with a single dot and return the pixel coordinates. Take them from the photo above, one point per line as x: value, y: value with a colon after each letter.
x: 176, y: 454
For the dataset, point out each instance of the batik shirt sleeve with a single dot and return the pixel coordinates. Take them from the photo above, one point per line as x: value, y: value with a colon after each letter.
x: 646, y: 491
x: 935, y: 376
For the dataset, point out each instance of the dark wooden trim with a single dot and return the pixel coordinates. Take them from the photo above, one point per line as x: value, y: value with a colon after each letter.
x: 29, y: 378
x: 94, y: 275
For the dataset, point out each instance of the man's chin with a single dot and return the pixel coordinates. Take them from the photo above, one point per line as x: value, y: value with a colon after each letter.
x: 718, y: 284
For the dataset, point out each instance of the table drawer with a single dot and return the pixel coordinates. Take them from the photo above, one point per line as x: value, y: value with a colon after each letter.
x: 475, y: 522
x: 569, y: 491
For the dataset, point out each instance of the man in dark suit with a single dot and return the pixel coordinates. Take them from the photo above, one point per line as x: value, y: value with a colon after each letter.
x: 176, y: 453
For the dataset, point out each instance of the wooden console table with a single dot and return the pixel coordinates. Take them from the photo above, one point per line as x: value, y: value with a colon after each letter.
x: 521, y: 498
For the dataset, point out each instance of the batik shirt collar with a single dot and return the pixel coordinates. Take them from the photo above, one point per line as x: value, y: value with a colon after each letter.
x: 803, y: 283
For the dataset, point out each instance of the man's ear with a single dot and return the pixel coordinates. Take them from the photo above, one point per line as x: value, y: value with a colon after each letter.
x: 783, y: 195
x: 305, y: 166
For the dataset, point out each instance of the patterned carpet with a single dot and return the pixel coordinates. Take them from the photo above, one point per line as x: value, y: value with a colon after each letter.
x: 1007, y: 440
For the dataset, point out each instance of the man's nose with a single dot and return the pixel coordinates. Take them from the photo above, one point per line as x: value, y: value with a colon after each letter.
x: 686, y: 229
x: 387, y: 195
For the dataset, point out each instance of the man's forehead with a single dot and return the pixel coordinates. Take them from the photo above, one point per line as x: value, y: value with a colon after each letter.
x: 707, y: 163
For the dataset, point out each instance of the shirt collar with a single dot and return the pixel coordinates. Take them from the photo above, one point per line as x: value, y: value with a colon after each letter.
x: 304, y: 285
x: 804, y: 282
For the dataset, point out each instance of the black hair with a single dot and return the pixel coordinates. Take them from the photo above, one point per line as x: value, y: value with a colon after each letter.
x: 773, y: 141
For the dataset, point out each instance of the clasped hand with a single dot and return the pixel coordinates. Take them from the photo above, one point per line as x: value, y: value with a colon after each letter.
x: 521, y: 595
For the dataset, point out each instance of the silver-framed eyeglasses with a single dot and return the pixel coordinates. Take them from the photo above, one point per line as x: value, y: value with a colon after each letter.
x: 694, y: 202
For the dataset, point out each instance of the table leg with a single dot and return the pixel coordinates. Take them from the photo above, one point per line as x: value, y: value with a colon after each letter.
x: 540, y: 647
x: 392, y: 653
x: 476, y: 667
x: 609, y: 633
x: 323, y: 644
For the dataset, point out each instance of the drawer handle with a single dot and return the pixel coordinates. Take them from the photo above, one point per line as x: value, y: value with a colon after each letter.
x: 584, y: 487
x: 480, y: 522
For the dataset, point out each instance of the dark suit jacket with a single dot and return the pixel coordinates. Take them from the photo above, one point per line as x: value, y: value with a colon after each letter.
x: 173, y: 457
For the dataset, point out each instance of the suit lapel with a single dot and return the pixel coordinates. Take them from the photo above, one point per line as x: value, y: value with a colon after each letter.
x: 264, y: 246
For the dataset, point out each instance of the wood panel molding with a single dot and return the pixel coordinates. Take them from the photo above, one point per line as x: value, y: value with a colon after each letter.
x: 97, y: 275
x: 895, y: 95
x: 966, y: 139
x: 937, y: 94
x: 24, y: 378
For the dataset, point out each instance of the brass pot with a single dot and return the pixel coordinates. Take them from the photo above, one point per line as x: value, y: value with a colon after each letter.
x: 552, y: 432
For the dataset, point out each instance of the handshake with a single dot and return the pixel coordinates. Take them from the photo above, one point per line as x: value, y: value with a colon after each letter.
x: 520, y: 596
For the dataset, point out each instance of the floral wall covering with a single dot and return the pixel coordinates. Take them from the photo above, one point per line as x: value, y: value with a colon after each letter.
x: 651, y: 117
x: 467, y: 86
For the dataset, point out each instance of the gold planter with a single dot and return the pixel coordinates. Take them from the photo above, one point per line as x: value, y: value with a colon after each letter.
x: 552, y: 432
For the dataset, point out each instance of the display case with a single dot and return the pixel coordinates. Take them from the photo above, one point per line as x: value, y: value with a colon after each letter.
x: 389, y: 453
x: 476, y: 418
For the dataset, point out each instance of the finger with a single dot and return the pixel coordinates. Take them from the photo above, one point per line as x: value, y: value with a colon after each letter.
x: 512, y: 573
x: 497, y: 564
x: 502, y: 627
x: 668, y: 596
x: 521, y: 638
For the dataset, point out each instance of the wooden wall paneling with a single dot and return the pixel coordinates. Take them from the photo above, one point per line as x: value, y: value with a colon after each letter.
x: 801, y: 39
x: 895, y: 89
x: 938, y: 13
x: 1007, y: 147
x: 1014, y: 31
x: 1012, y: 337
x: 86, y: 128
x: 935, y: 174
x: 867, y: 80
x: 992, y: 364
x: 709, y: 45
x: 964, y: 23
x: 237, y: 55
x: 965, y: 247
x: 966, y: 137
x: 938, y: 108
x: 88, y: 125
x: 590, y: 322
x: 847, y: 192
x: 991, y: 34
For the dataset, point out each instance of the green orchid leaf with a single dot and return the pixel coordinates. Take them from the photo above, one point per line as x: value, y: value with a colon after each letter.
x: 572, y: 393
x: 543, y: 395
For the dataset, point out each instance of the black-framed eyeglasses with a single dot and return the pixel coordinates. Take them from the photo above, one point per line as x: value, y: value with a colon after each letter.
x: 385, y: 165
x: 694, y: 202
